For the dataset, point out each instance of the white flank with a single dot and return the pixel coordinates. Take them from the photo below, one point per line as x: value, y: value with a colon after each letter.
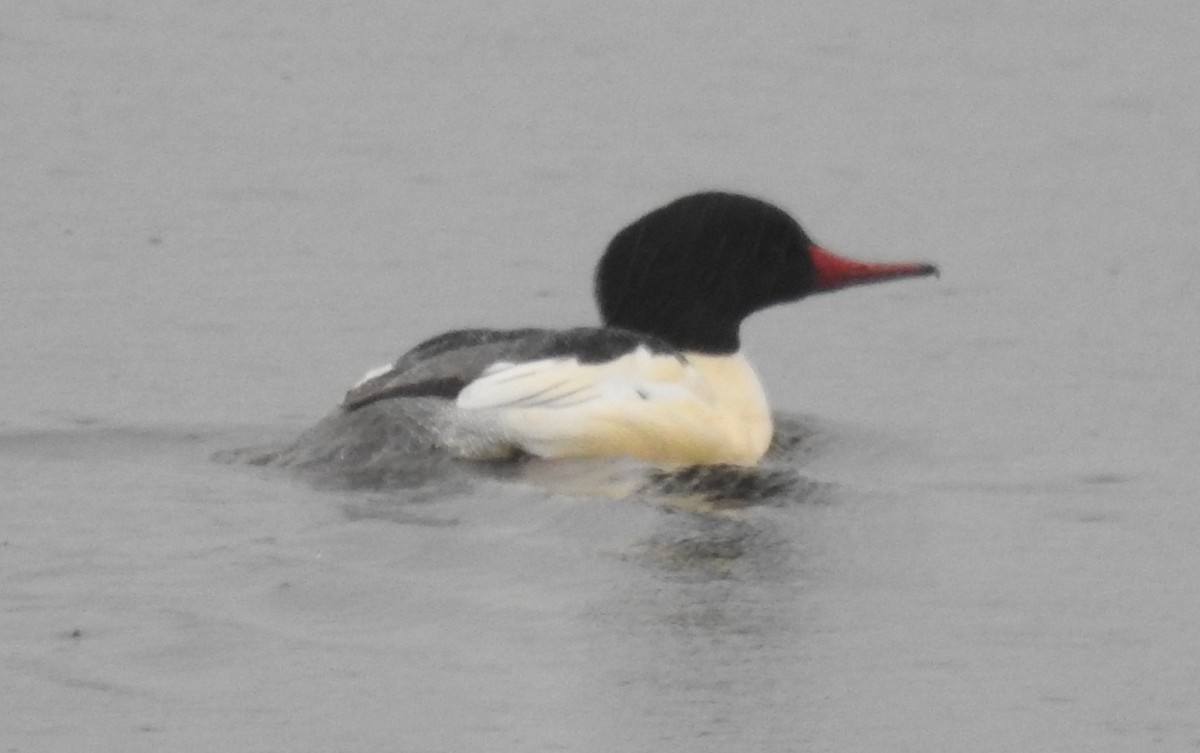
x: 705, y: 409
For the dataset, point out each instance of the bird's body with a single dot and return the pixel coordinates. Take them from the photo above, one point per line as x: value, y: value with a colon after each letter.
x: 616, y: 394
x: 662, y: 381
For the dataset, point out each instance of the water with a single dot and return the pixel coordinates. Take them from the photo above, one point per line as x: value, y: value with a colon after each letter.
x: 218, y: 216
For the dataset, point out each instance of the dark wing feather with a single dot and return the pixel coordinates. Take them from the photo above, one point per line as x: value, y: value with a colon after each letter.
x: 439, y: 367
x: 460, y: 339
x: 442, y: 366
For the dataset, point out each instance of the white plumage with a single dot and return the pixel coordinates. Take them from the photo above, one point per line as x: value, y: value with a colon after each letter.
x: 686, y: 410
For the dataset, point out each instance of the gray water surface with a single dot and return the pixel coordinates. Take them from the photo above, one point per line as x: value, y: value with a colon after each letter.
x: 217, y: 216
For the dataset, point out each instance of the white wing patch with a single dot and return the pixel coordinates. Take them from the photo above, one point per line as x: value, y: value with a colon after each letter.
x: 697, y: 410
x: 562, y: 383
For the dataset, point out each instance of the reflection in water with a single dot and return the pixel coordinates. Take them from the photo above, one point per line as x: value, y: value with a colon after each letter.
x: 656, y: 605
x: 703, y: 639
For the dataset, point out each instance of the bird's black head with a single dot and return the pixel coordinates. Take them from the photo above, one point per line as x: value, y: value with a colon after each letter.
x: 691, y: 271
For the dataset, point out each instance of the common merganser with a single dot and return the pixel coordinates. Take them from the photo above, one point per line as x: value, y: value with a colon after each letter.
x: 663, y: 380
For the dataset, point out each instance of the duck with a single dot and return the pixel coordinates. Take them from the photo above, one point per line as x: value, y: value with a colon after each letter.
x: 662, y: 381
